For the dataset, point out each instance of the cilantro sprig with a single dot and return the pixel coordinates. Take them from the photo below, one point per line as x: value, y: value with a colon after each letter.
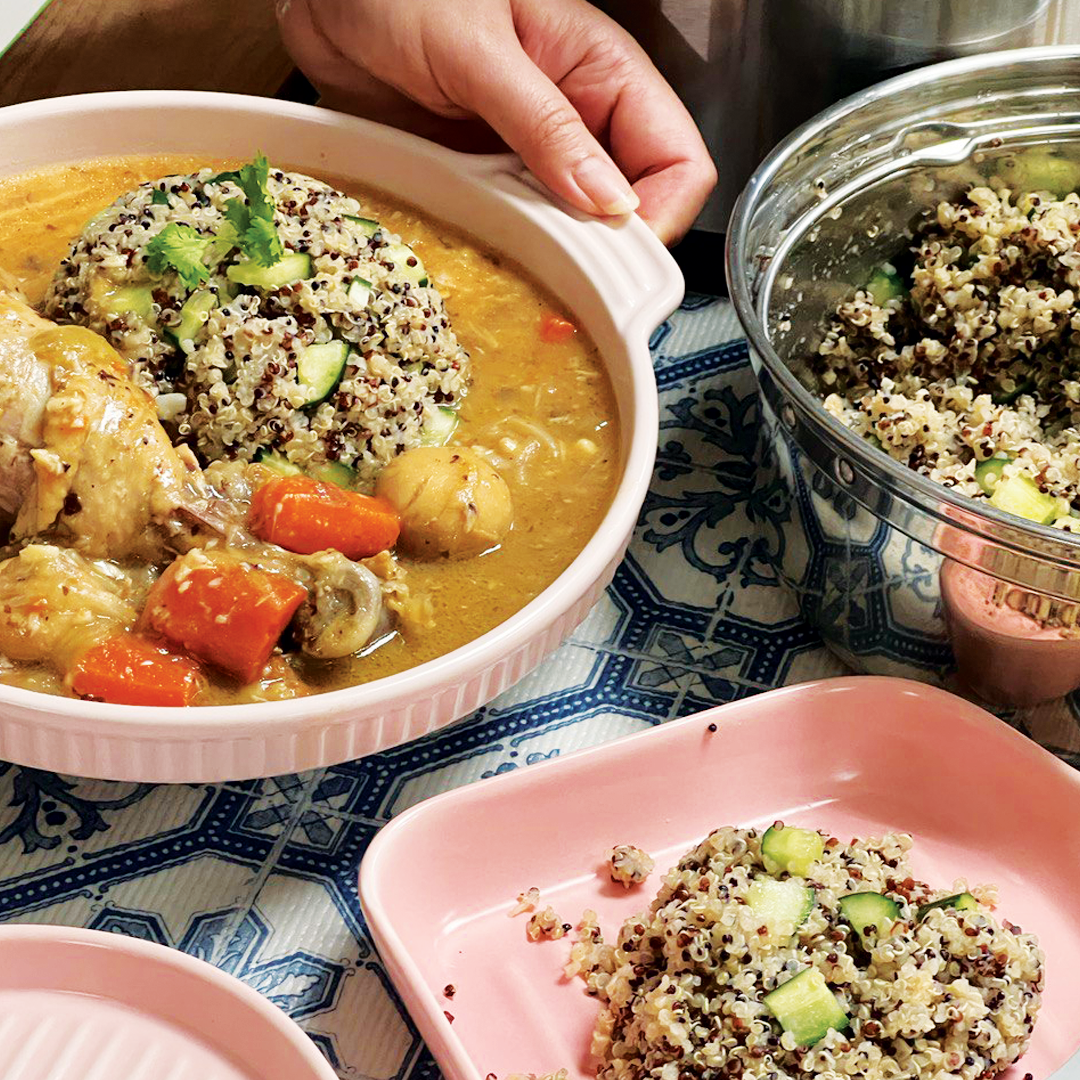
x: 249, y: 226
x: 251, y: 222
x: 181, y: 248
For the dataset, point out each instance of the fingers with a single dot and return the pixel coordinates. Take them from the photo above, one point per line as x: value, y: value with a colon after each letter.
x: 560, y: 83
x: 535, y: 118
x: 311, y: 49
x: 654, y: 140
x: 672, y: 198
x: 667, y: 159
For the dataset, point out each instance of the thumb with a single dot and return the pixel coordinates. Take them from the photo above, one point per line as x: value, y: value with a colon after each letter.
x: 529, y: 112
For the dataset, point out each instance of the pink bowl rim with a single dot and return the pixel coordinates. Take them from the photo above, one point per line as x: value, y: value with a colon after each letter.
x: 152, y: 954
x: 267, y: 719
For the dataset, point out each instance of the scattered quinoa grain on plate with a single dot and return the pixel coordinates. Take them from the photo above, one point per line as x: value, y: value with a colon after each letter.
x: 786, y: 953
x: 546, y: 924
x: 629, y: 865
x: 526, y: 901
x: 962, y: 361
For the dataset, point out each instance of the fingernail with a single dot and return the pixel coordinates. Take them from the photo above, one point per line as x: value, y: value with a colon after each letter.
x: 606, y: 187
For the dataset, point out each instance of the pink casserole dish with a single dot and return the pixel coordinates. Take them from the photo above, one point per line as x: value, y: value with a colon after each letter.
x: 858, y: 756
x: 619, y: 281
x: 82, y: 1004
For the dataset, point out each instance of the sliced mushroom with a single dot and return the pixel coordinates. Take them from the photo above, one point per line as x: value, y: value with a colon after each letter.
x: 344, y: 609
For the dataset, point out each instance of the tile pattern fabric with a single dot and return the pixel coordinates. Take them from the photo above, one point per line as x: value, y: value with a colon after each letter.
x: 259, y: 877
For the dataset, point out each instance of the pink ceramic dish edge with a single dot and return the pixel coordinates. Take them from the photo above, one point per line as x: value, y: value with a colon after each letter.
x: 118, y: 1001
x: 618, y: 280
x: 860, y: 753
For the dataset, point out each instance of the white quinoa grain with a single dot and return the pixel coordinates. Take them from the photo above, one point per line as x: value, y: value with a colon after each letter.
x: 238, y: 376
x: 681, y: 988
x: 974, y: 360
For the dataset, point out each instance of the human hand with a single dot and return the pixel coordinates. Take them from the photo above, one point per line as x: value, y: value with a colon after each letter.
x: 557, y: 81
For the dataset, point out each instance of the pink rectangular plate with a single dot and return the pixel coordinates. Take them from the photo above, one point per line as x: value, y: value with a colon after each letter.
x: 856, y: 756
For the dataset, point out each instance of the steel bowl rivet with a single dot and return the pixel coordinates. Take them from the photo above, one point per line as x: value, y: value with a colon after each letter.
x: 844, y: 472
x: 787, y: 414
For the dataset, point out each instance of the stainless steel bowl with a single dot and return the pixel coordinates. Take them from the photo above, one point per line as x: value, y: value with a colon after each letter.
x: 899, y: 574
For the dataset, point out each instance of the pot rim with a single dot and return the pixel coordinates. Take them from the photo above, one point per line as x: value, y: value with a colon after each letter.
x: 942, y: 503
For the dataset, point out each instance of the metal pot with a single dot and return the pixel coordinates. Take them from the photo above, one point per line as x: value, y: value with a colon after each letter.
x: 899, y: 574
x: 750, y: 71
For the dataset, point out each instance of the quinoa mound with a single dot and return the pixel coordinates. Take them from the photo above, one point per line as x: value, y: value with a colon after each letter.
x: 233, y: 390
x: 976, y: 354
x: 954, y: 993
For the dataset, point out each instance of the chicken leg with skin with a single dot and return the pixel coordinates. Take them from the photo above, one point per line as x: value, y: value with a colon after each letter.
x: 83, y: 455
x: 86, y: 465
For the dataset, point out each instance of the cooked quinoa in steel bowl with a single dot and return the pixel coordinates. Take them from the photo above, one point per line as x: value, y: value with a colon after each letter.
x: 268, y: 316
x: 962, y: 359
x: 787, y: 953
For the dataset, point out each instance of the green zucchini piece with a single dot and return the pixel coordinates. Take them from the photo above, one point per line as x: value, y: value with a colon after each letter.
x: 319, y: 369
x: 885, y: 285
x: 335, y: 472
x: 793, y: 850
x: 127, y: 300
x: 869, y: 914
x: 1008, y: 397
x: 781, y: 905
x: 193, y: 316
x: 1020, y: 495
x: 961, y: 901
x: 368, y: 226
x: 1040, y: 170
x: 293, y: 266
x: 439, y: 427
x: 406, y: 262
x: 278, y: 462
x: 988, y: 472
x: 216, y: 251
x: 330, y: 472
x: 359, y: 293
x: 806, y: 1007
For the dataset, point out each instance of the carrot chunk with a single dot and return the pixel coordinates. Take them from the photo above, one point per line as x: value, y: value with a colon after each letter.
x: 127, y: 669
x: 305, y: 515
x: 555, y: 329
x: 222, y: 611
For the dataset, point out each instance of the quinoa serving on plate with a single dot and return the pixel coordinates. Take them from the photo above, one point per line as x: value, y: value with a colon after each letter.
x: 788, y: 953
x: 963, y: 360
x: 333, y: 350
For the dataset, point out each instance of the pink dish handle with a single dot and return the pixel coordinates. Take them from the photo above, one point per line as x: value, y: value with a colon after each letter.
x: 631, y: 269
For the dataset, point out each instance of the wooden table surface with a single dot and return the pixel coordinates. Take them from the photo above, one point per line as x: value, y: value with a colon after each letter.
x: 82, y: 45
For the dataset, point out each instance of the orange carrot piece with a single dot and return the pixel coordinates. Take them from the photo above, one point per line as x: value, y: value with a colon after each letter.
x: 127, y: 669
x: 222, y: 611
x: 556, y: 330
x: 305, y: 515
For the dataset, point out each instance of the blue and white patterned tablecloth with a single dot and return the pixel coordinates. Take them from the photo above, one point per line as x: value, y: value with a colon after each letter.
x: 259, y: 877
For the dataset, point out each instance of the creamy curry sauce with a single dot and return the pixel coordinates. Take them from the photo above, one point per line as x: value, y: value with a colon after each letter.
x: 547, y: 409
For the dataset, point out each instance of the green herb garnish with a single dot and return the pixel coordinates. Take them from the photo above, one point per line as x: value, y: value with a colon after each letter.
x: 221, y: 177
x: 181, y: 248
x: 249, y: 226
x: 252, y: 222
